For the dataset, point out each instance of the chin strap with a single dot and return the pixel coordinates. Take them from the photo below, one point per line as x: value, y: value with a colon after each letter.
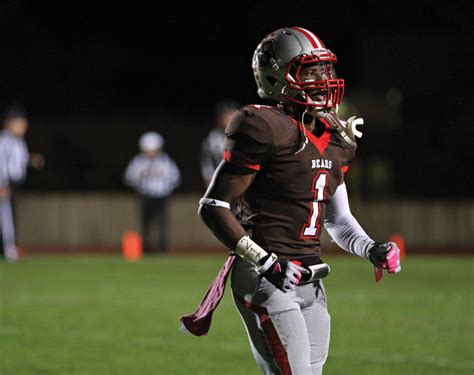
x: 303, y: 138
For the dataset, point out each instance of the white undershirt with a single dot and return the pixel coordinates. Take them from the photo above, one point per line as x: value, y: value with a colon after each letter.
x: 14, y: 158
x: 343, y: 227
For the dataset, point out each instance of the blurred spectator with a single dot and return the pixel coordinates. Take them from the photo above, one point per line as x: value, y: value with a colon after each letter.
x: 14, y: 160
x: 154, y: 175
x: 212, y: 147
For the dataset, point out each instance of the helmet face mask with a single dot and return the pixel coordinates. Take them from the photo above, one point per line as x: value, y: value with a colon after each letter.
x: 280, y: 62
x: 325, y: 90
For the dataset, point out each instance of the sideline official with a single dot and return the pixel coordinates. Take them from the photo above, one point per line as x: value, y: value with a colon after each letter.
x: 154, y: 176
x: 14, y: 162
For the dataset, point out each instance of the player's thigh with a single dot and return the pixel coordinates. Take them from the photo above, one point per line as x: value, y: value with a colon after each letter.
x: 318, y: 322
x: 256, y: 291
x: 258, y: 342
x: 279, y: 318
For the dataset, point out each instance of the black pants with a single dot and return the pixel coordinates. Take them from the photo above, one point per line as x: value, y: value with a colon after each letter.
x: 154, y: 209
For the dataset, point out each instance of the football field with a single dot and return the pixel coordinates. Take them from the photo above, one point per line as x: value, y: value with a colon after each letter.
x: 102, y: 315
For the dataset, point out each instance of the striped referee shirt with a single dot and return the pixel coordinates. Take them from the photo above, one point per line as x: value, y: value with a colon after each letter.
x: 14, y: 158
x: 212, y: 151
x: 153, y: 177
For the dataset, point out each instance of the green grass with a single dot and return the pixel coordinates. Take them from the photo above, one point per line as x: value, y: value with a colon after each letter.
x: 101, y: 315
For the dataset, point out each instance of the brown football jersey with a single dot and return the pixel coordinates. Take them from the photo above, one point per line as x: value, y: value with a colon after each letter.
x: 283, y: 209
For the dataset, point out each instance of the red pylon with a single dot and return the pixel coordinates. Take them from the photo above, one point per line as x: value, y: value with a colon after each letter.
x: 132, y: 249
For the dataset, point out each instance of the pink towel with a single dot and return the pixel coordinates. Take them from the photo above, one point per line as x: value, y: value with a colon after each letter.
x: 199, y: 322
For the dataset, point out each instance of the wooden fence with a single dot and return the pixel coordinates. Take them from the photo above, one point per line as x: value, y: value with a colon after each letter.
x: 72, y: 220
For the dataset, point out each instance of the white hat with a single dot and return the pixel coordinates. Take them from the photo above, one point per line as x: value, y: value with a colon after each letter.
x: 150, y: 141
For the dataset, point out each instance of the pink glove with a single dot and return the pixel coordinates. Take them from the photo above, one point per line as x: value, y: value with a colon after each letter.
x: 385, y: 256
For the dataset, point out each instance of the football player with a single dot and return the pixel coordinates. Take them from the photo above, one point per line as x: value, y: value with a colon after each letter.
x: 281, y: 181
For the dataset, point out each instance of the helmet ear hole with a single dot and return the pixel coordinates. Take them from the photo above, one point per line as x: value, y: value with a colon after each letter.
x: 263, y: 58
x: 265, y: 54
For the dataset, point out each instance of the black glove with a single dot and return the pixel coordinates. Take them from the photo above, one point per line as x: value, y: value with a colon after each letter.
x: 377, y: 254
x: 282, y: 273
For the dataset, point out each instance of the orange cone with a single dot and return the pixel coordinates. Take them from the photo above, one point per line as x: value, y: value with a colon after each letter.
x: 398, y: 239
x: 132, y: 249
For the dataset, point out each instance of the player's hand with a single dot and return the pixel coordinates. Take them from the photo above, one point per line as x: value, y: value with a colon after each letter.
x: 385, y: 256
x: 37, y: 160
x: 282, y: 273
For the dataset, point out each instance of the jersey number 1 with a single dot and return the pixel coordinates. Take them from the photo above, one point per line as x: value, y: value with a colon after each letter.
x: 311, y: 228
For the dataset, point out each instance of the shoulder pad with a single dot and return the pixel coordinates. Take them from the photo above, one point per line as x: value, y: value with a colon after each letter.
x: 250, y: 123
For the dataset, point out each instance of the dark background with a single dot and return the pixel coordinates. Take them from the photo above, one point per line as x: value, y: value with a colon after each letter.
x: 94, y: 77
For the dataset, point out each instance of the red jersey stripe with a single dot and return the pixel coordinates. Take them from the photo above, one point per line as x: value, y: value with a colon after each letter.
x: 231, y: 159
